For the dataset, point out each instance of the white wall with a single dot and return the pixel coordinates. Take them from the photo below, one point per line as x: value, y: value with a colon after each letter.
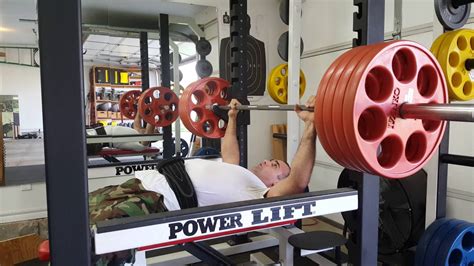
x: 24, y: 81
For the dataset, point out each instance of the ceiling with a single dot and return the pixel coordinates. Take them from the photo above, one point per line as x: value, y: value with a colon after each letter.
x: 141, y: 14
x: 126, y: 51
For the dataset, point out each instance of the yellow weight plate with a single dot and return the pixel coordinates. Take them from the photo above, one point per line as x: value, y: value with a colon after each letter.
x: 453, y: 51
x: 437, y: 43
x: 277, y: 85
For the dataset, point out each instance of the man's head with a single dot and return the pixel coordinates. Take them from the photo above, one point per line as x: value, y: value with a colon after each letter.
x: 271, y: 171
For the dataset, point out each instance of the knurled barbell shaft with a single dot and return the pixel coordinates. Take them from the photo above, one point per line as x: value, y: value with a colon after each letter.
x: 448, y: 112
x: 275, y: 107
x: 469, y: 64
x: 458, y: 3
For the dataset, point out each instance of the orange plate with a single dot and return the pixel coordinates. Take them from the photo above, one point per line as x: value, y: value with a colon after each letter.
x: 158, y: 106
x: 406, y: 144
x: 204, y: 93
x: 337, y: 109
x: 128, y: 103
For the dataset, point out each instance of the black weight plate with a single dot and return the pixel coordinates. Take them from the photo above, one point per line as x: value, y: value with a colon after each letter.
x: 283, y: 46
x: 255, y: 65
x: 285, y: 11
x: 203, y: 68
x: 172, y: 75
x: 184, y: 147
x: 450, y: 17
x: 203, y: 47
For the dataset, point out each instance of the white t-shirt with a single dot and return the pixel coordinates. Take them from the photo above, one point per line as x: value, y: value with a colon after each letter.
x: 214, y: 182
x: 119, y: 130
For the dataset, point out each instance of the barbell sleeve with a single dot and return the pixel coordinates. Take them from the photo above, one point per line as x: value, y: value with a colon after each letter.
x: 448, y: 112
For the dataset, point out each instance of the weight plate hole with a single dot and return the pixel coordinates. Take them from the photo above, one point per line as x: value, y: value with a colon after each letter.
x: 404, y: 65
x: 210, y: 88
x: 157, y: 118
x: 390, y: 151
x: 197, y: 97
x: 430, y: 125
x: 169, y: 116
x: 277, y: 81
x: 208, y: 126
x: 221, y: 124
x: 471, y: 42
x: 379, y: 84
x: 281, y: 92
x: 427, y: 81
x: 467, y: 88
x: 456, y: 79
x: 148, y: 111
x: 415, y: 148
x: 468, y: 241
x: 148, y: 100
x: 283, y: 71
x: 223, y: 93
x: 454, y: 59
x: 195, y: 116
x: 168, y: 96
x: 173, y: 107
x: 372, y: 123
x: 462, y: 43
x: 455, y: 258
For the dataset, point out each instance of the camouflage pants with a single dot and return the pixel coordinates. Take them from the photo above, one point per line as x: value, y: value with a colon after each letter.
x: 125, y: 200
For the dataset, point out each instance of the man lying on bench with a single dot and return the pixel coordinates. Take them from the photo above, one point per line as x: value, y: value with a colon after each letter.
x: 180, y: 184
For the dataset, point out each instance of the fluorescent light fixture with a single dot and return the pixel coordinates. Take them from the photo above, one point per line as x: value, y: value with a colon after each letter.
x: 15, y: 98
x: 3, y: 29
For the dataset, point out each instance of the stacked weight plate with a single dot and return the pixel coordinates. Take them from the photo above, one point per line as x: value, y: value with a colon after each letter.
x: 195, y: 107
x: 446, y: 242
x: 452, y: 49
x: 357, y: 104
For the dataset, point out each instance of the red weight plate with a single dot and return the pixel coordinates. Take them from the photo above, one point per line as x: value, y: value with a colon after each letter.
x: 128, y: 103
x: 158, y: 106
x: 340, y: 89
x: 328, y: 115
x: 320, y: 106
x: 401, y: 71
x: 196, y: 107
x: 349, y: 101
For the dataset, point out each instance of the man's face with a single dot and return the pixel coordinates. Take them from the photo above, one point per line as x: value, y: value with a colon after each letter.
x: 271, y: 171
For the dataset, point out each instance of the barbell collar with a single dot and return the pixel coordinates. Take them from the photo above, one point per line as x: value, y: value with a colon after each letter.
x: 446, y: 112
x: 458, y: 3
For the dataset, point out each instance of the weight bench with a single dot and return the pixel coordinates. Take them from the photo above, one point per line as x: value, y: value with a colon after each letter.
x: 111, y: 154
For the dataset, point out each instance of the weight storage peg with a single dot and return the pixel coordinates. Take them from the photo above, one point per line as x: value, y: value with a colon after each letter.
x: 203, y: 68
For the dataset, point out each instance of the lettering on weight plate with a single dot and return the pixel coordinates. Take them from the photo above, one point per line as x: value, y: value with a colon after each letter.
x: 394, y: 108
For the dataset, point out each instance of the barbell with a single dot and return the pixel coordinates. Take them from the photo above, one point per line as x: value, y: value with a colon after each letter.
x: 380, y: 108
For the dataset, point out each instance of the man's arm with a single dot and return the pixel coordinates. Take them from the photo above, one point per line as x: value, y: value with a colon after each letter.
x: 229, y: 143
x: 303, y: 162
x: 149, y: 129
x: 301, y: 166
